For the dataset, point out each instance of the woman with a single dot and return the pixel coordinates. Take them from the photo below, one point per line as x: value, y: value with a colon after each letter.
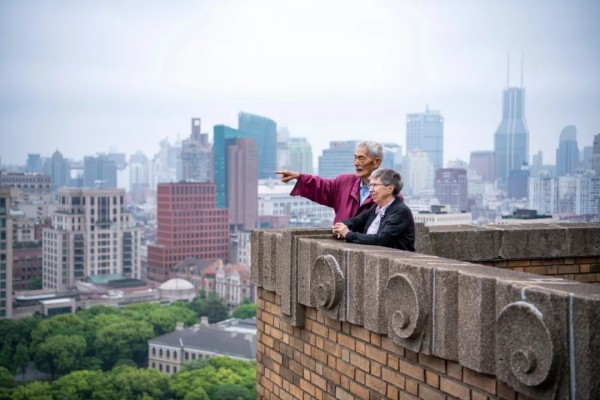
x: 389, y: 224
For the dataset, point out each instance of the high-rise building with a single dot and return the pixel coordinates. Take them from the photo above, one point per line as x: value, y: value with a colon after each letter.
x: 91, y: 235
x: 300, y: 155
x: 451, y: 188
x: 99, y: 172
x: 567, y: 154
x: 264, y: 131
x: 537, y: 164
x: 195, y: 157
x: 484, y: 163
x: 418, y: 174
x: 59, y: 171
x: 242, y: 183
x: 511, y: 140
x: 596, y: 155
x: 425, y: 132
x: 392, y: 157
x: 164, y: 164
x: 586, y: 157
x: 587, y: 194
x: 189, y: 226
x: 6, y: 257
x: 139, y: 177
x: 543, y: 194
x: 34, y: 163
x: 221, y: 140
x: 517, y: 183
x: 337, y: 159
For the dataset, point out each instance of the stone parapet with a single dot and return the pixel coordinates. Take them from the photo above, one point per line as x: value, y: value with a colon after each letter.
x: 534, y: 333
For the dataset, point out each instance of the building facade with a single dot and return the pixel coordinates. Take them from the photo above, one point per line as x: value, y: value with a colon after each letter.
x: 484, y: 163
x: 596, y: 154
x: 337, y: 159
x: 195, y: 157
x: 451, y: 188
x: 233, y: 284
x: 567, y: 154
x: 6, y: 256
x: 264, y: 131
x: 99, y: 172
x: 300, y: 155
x: 511, y: 140
x: 91, y: 235
x: 189, y: 226
x: 242, y: 183
x: 425, y: 132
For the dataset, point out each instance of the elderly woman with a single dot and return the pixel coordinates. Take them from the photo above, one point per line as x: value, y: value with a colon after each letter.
x: 389, y: 224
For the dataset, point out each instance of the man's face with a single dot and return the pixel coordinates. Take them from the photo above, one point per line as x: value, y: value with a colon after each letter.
x: 364, y: 164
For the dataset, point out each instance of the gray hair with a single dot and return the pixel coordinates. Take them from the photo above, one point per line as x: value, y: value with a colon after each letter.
x: 374, y: 149
x: 389, y: 177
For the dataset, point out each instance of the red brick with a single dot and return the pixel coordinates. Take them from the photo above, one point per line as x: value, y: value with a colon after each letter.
x: 361, y: 347
x: 307, y: 387
x: 427, y: 393
x: 360, y: 333
x: 346, y: 368
x: 392, y: 392
x: 568, y: 269
x: 332, y: 375
x: 412, y: 370
x: 318, y: 381
x: 433, y: 362
x: 376, y: 339
x: 454, y: 388
x: 359, y: 390
x: 454, y: 370
x: 518, y: 263
x: 541, y: 270
x: 376, y: 354
x: 376, y: 384
x: 411, y: 386
x: 342, y: 394
x: 505, y: 392
x: 486, y: 383
x: 432, y: 379
x: 478, y: 396
x: 360, y: 376
x: 347, y: 341
x: 376, y: 369
x: 392, y: 347
x: 359, y: 361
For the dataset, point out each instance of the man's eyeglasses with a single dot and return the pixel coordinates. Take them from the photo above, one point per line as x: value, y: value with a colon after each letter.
x: 374, y: 185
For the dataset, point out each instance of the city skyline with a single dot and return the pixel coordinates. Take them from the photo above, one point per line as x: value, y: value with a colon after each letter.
x: 82, y: 77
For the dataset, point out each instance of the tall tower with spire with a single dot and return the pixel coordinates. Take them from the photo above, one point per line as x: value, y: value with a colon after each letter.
x: 511, y: 140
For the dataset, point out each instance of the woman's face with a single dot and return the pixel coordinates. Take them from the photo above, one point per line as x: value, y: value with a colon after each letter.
x: 380, y: 193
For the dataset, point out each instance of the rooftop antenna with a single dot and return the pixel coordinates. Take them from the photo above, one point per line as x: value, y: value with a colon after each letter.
x: 507, y: 69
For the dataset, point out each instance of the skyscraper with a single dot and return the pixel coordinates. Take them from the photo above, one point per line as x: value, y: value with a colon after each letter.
x: 567, y: 154
x: 511, y: 140
x: 451, y: 188
x: 337, y: 159
x: 6, y: 257
x: 418, y: 174
x: 34, y: 163
x: 264, y: 131
x: 596, y: 155
x: 195, y: 157
x: 139, y: 176
x: 484, y: 163
x: 221, y: 135
x: 242, y: 183
x: 59, y: 171
x: 543, y: 194
x: 425, y: 132
x: 99, y: 172
x: 91, y: 235
x: 189, y: 226
x: 300, y: 154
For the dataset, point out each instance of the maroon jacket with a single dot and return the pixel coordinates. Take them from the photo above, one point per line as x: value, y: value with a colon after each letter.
x: 341, y: 193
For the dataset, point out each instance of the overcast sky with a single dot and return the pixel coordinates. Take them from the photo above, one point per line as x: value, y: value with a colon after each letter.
x: 83, y: 76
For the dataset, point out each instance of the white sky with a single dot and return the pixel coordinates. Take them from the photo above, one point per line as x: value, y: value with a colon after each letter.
x: 81, y: 76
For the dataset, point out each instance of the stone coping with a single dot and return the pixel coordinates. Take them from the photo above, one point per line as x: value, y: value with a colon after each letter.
x: 537, y: 334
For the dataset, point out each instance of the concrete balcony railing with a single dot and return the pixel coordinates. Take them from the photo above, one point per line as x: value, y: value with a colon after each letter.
x: 324, y: 303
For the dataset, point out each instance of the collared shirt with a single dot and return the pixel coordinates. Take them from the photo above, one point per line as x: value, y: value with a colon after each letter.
x: 364, y: 192
x: 380, y: 212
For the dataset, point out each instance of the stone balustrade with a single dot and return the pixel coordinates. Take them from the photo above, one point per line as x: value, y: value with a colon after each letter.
x: 540, y: 335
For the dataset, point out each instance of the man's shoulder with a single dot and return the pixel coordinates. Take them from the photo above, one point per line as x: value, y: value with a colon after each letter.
x: 347, y: 178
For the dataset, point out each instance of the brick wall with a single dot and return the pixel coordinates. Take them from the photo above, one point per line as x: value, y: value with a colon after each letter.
x: 580, y: 269
x: 329, y: 359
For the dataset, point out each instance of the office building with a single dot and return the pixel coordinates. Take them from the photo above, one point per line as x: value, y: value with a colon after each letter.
x: 451, y: 188
x: 189, y: 226
x: 264, y: 131
x: 511, y: 140
x: 91, y: 235
x: 195, y: 157
x: 596, y: 154
x: 537, y: 164
x: 242, y: 183
x: 425, y: 132
x: 543, y: 194
x: 164, y: 163
x: 6, y: 256
x: 567, y: 154
x: 300, y: 155
x: 517, y: 184
x: 34, y: 163
x: 587, y: 194
x: 99, y: 172
x: 484, y: 163
x: 392, y: 157
x: 139, y: 177
x: 337, y: 159
x: 418, y: 174
x: 59, y: 171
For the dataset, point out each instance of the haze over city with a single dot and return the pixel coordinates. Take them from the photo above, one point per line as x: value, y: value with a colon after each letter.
x: 81, y: 77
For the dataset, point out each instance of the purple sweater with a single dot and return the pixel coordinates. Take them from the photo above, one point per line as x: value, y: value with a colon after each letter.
x: 341, y: 193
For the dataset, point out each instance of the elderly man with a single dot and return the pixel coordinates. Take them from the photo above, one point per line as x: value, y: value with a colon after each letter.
x: 389, y: 224
x: 347, y: 194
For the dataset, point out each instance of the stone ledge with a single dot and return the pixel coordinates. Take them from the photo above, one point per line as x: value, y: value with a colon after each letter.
x: 532, y: 332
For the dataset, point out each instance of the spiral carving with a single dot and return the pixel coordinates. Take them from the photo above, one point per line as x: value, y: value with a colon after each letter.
x: 328, y: 286
x: 524, y: 343
x: 402, y: 308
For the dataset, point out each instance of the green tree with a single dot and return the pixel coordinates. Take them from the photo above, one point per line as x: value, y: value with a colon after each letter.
x: 60, y: 354
x: 127, y: 339
x: 33, y: 391
x: 216, y: 311
x: 21, y: 359
x: 6, y: 378
x: 244, y: 311
x: 232, y: 392
x: 81, y: 385
x: 136, y: 383
x: 6, y: 355
x: 35, y: 283
x: 64, y: 324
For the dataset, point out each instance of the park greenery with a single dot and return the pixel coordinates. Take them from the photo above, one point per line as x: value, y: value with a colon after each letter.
x: 101, y: 353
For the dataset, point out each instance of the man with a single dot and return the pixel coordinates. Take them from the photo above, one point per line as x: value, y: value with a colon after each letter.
x: 389, y: 224
x: 347, y: 194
